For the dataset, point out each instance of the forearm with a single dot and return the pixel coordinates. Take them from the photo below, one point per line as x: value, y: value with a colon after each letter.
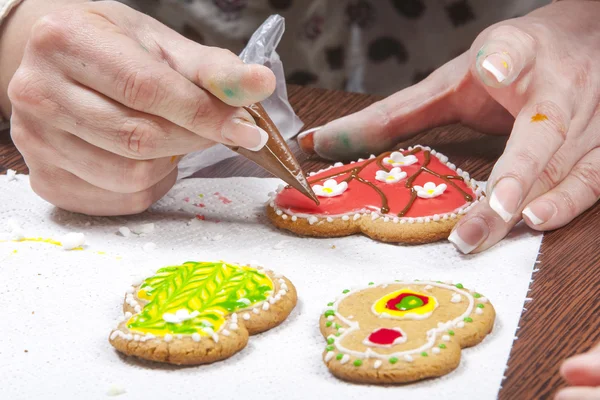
x: 14, y: 34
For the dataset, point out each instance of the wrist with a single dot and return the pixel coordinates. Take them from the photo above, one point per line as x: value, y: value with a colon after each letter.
x: 14, y: 34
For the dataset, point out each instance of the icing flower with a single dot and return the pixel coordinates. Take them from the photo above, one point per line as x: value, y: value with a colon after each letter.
x: 397, y: 159
x: 180, y: 316
x: 430, y: 190
x: 390, y: 177
x: 330, y: 188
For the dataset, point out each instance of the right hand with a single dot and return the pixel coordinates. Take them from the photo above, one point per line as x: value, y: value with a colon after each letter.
x: 106, y: 99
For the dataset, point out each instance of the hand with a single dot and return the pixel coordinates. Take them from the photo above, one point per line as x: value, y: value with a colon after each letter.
x: 537, y: 74
x: 582, y: 372
x: 106, y: 99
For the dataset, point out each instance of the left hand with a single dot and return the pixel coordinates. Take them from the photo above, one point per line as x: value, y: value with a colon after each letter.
x: 537, y: 74
x: 582, y: 372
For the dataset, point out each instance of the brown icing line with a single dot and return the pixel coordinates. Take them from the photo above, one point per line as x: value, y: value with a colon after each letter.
x: 355, y: 171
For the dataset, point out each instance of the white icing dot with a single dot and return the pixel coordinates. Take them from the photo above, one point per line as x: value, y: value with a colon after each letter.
x: 410, y: 220
x: 446, y: 338
x: 329, y: 219
x: 196, y: 337
x: 168, y: 337
x: 329, y: 355
x: 345, y: 218
x: 225, y: 332
x: 356, y: 216
x: 72, y: 240
x: 436, y: 350
x: 284, y: 216
x: 234, y: 317
x: 255, y: 310
x: 386, y: 219
x: 124, y: 231
x: 427, y: 219
x: 456, y: 298
x: 246, y: 316
x: 312, y: 219
x: 294, y: 218
x: 345, y: 359
x: 233, y: 326
x: 215, y: 337
x: 128, y: 315
x: 330, y: 318
x: 265, y: 306
x: 136, y: 338
x: 420, y: 220
x: 278, y: 212
x: 402, y: 221
x: 395, y: 220
x: 408, y: 358
x: 374, y: 216
x: 479, y: 311
x: 483, y: 300
x: 377, y: 364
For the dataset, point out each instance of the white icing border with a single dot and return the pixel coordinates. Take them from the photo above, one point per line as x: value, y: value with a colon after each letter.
x: 432, y: 334
x: 321, y: 218
x: 196, y: 337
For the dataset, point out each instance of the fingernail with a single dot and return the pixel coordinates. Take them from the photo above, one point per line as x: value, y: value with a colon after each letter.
x: 497, y: 65
x: 506, y: 198
x: 306, y: 141
x: 469, y: 235
x: 245, y: 134
x: 539, y: 212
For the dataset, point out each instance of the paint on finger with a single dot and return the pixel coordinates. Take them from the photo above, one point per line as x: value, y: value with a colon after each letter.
x: 539, y: 117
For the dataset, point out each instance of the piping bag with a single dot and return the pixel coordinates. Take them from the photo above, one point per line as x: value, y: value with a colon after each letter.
x: 275, y: 115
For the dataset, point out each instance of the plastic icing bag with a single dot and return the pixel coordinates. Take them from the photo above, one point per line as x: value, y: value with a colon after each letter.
x: 260, y: 50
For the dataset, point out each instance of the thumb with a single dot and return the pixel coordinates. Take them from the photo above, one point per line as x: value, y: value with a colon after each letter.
x: 386, y: 122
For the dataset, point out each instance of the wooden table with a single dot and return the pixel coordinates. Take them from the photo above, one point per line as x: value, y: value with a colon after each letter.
x: 563, y: 318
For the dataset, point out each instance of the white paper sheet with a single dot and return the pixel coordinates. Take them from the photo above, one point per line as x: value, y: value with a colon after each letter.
x: 61, y: 305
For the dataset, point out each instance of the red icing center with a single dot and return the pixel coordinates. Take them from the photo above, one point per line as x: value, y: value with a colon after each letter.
x: 384, y: 336
x: 360, y: 196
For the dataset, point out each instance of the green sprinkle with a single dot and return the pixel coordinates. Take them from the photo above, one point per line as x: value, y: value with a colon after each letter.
x: 337, y: 326
x: 345, y: 291
x: 424, y: 354
x: 337, y: 334
x: 393, y: 360
x: 476, y: 295
x: 201, y: 196
x: 451, y: 333
x: 442, y: 346
x: 339, y: 356
x: 329, y: 348
x: 357, y: 363
x: 371, y: 283
x: 228, y: 92
x: 479, y: 305
x: 468, y: 319
x: 330, y: 304
x: 460, y: 286
x: 328, y: 324
x: 330, y: 340
x: 439, y: 282
x: 329, y: 312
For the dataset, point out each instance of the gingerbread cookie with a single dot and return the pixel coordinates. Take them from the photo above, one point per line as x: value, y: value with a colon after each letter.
x: 402, y: 331
x: 200, y: 312
x: 411, y: 196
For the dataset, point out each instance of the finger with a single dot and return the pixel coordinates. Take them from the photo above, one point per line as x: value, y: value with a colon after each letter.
x: 96, y: 166
x: 578, y: 393
x: 539, y: 131
x: 440, y: 99
x: 502, y: 54
x: 71, y: 193
x: 141, y: 82
x: 582, y: 369
x: 101, y: 121
x: 576, y: 193
x: 217, y: 70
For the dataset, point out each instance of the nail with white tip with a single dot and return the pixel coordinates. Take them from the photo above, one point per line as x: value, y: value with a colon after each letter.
x: 506, y: 198
x: 469, y: 235
x: 495, y: 68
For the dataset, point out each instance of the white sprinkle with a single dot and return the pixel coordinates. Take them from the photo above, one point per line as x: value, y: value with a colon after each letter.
x: 456, y: 298
x: 374, y: 216
x: 427, y: 219
x: 284, y: 216
x: 452, y: 215
x: 234, y: 317
x: 345, y: 359
x: 115, y: 390
x: 127, y: 315
x: 196, y: 337
x: 129, y: 337
x: 279, y: 212
x: 446, y: 338
x: 72, y: 240
x: 255, y: 310
x: 265, y: 306
x: 395, y: 220
x: 11, y: 174
x: 386, y: 219
x: 345, y: 218
x: 330, y: 318
x: 483, y: 300
x: 479, y: 311
x: 329, y: 356
x: 312, y: 220
x: 356, y: 216
x: 246, y: 316
x: 233, y: 326
x: 124, y: 231
x: 408, y: 358
x: 329, y: 219
x: 411, y: 220
x: 420, y: 220
x: 436, y: 350
x: 143, y: 229
x: 225, y: 332
x: 149, y: 247
x: 377, y: 364
x: 294, y: 218
x: 215, y: 337
x: 168, y: 337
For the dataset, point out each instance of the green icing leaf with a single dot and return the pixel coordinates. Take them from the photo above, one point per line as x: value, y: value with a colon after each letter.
x: 211, y: 290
